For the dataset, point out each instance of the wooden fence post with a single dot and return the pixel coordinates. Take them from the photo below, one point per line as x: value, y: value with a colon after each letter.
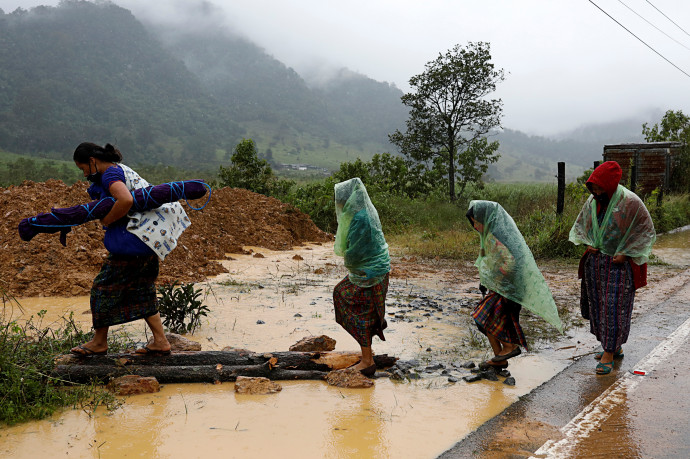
x: 596, y: 164
x: 633, y: 177
x: 561, y: 188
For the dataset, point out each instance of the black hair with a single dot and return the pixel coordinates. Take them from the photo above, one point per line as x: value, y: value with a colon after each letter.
x: 470, y: 216
x: 87, y: 150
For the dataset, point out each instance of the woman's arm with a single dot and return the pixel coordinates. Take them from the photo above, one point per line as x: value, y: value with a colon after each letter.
x: 123, y: 202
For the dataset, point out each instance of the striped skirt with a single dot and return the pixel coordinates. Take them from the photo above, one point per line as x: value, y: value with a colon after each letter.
x: 360, y: 311
x: 124, y: 290
x: 500, y: 317
x: 608, y: 295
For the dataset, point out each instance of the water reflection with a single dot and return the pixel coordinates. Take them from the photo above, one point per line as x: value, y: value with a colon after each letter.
x: 356, y: 426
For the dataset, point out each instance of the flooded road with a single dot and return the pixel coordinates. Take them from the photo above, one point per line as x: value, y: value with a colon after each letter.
x: 267, y: 302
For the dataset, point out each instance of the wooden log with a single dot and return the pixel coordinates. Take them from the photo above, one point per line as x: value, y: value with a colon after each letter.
x: 181, y: 374
x: 286, y: 359
x: 209, y: 366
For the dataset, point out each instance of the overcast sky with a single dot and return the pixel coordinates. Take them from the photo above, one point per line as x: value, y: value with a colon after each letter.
x: 567, y: 63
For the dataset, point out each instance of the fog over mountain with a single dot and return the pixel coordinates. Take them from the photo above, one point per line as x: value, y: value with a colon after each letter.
x: 182, y: 82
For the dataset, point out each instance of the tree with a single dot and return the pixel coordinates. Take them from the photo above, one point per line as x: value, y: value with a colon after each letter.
x: 247, y: 170
x: 250, y: 172
x: 450, y: 115
x: 674, y: 127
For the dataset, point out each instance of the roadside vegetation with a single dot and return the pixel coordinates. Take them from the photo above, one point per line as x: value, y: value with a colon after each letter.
x: 27, y: 349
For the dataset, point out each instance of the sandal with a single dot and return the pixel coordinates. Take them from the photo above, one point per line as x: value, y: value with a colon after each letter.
x: 616, y: 355
x: 503, y: 357
x: 152, y: 352
x: 369, y: 371
x: 83, y: 351
x: 488, y: 365
x: 604, y: 368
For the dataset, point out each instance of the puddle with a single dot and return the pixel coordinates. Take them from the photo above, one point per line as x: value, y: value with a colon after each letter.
x: 267, y: 304
x: 674, y: 247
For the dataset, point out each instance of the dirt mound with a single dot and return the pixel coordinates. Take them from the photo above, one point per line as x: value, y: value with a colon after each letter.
x: 232, y: 219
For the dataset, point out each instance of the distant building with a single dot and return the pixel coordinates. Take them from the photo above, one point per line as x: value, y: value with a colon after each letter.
x: 646, y: 166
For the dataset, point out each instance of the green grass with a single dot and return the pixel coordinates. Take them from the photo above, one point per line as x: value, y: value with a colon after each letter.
x: 28, y: 391
x: 438, y: 228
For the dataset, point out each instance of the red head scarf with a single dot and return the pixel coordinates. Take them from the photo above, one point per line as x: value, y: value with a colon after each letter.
x: 607, y: 176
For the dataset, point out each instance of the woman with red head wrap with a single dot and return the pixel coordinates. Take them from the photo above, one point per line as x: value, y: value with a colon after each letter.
x: 619, y: 233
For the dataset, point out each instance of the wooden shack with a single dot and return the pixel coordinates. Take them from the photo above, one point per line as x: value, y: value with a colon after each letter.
x: 646, y: 166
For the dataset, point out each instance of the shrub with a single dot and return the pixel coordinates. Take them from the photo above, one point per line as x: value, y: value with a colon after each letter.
x: 179, y: 304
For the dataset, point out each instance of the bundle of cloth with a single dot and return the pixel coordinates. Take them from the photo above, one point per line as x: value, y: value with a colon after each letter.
x: 148, y: 198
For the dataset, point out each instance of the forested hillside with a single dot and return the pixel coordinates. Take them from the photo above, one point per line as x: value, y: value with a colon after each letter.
x: 186, y: 97
x: 92, y: 71
x: 83, y: 71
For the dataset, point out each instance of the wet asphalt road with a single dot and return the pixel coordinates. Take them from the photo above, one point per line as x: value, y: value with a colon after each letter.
x: 578, y: 414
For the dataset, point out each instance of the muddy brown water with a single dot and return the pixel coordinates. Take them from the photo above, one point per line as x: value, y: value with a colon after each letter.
x: 292, y: 299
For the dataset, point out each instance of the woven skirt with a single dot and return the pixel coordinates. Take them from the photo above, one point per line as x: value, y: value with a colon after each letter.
x: 361, y: 311
x: 500, y: 317
x: 608, y: 294
x: 124, y: 290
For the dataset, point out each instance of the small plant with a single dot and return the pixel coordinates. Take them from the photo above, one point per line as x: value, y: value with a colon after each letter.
x: 178, y: 304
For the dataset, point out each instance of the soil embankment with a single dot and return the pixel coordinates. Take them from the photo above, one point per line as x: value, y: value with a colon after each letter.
x: 232, y: 219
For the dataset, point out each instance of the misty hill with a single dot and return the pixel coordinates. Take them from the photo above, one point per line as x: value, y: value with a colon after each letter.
x: 93, y: 71
x: 186, y: 96
x: 82, y: 71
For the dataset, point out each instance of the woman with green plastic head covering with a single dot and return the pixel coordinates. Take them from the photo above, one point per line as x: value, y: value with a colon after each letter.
x: 360, y: 298
x: 618, y: 231
x: 508, y: 270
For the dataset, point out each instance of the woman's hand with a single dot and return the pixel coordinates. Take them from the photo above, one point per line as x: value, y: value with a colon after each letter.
x: 618, y: 258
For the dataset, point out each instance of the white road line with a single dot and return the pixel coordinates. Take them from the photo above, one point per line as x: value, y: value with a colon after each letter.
x: 594, y: 414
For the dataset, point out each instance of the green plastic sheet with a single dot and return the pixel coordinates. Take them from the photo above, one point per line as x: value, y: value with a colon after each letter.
x: 359, y: 238
x: 506, y: 264
x: 626, y: 227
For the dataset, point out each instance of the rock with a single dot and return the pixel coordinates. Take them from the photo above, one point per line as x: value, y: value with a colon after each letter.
x: 468, y: 364
x: 397, y: 375
x: 314, y: 343
x: 134, y: 384
x: 472, y: 378
x: 258, y: 255
x: 256, y: 386
x: 297, y: 315
x: 348, y: 377
x: 179, y: 343
x: 509, y: 381
x: 453, y: 379
x: 489, y: 375
x: 434, y: 366
x: 298, y: 258
x: 504, y: 373
x: 260, y: 322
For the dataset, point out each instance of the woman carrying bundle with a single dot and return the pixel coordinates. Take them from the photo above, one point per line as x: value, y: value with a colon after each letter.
x: 508, y: 270
x: 360, y: 298
x: 124, y: 290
